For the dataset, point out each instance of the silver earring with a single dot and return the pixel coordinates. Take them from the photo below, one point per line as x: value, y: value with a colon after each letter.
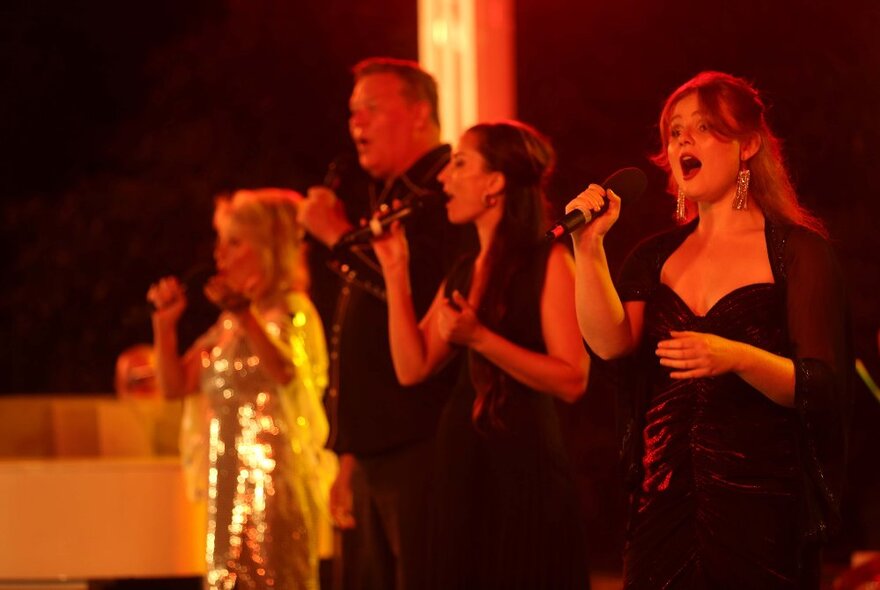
x: 680, y: 206
x: 741, y: 199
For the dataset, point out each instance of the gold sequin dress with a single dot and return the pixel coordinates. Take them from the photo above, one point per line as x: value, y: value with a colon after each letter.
x: 267, y: 471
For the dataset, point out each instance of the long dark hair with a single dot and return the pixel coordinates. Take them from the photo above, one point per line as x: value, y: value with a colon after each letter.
x: 734, y: 110
x: 526, y: 159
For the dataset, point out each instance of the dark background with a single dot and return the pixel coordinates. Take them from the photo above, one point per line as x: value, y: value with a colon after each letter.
x: 122, y: 120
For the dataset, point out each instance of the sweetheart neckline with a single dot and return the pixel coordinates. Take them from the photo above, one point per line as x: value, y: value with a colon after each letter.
x: 727, y: 295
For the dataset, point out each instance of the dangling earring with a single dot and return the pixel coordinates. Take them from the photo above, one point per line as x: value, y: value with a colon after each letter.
x: 680, y: 207
x: 741, y: 199
x: 489, y: 201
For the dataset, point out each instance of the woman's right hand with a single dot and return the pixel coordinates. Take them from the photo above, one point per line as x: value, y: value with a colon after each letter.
x: 392, y: 249
x: 592, y: 200
x: 168, y: 298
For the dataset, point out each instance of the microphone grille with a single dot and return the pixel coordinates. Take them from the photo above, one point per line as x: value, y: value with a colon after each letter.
x: 627, y: 183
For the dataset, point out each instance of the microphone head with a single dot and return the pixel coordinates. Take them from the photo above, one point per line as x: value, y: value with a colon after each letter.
x: 627, y: 183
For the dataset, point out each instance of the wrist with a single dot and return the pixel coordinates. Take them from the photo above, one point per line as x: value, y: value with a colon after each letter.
x: 163, y: 322
x: 346, y: 468
x: 589, y: 242
x: 396, y: 272
x: 741, y: 353
x: 479, y: 338
x: 591, y: 253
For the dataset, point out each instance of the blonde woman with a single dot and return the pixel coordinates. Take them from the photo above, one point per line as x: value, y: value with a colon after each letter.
x: 261, y: 369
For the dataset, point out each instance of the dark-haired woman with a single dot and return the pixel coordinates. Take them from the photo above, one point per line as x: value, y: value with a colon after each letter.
x: 506, y: 513
x: 736, y: 321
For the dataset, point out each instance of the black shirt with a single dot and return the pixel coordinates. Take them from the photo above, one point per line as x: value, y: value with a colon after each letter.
x: 370, y: 412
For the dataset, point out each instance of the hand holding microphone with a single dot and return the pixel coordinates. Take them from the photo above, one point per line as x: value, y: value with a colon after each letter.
x: 596, y: 200
x: 168, y: 297
x: 600, y: 209
x: 384, y: 218
x: 391, y: 246
x: 322, y: 215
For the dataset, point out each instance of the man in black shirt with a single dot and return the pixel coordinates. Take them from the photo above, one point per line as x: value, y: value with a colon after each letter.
x: 383, y: 431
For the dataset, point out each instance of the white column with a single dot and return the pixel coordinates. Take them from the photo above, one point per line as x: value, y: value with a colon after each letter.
x: 468, y: 45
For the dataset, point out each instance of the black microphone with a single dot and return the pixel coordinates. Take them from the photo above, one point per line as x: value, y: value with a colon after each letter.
x: 377, y: 225
x: 336, y: 170
x: 197, y: 275
x: 626, y: 183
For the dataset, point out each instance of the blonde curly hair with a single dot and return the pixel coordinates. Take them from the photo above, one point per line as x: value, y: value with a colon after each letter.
x: 270, y: 214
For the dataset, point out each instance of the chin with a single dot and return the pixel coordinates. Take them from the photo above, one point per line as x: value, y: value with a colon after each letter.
x: 370, y: 166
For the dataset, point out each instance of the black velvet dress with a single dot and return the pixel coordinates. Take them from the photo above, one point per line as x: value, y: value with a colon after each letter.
x: 730, y: 489
x: 506, y: 513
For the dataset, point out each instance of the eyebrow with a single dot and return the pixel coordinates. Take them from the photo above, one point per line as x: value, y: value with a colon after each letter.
x: 679, y: 116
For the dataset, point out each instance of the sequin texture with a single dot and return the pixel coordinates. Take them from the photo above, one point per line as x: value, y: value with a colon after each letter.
x: 264, y: 447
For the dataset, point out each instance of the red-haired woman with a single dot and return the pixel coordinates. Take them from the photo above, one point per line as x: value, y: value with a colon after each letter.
x: 737, y: 323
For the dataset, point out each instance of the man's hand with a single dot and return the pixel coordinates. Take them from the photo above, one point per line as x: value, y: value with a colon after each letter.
x: 322, y: 215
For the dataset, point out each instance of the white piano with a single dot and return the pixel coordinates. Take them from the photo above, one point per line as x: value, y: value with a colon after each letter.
x: 84, y: 496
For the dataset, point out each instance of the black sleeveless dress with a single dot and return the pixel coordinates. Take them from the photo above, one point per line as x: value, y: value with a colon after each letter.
x: 506, y: 512
x: 730, y: 489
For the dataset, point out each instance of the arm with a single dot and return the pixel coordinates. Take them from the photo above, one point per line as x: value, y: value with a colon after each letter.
x: 323, y: 216
x: 176, y: 375
x: 693, y: 355
x: 417, y: 350
x: 816, y: 328
x: 561, y: 372
x: 611, y: 328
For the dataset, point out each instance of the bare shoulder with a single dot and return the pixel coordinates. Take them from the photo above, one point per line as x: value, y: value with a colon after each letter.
x: 559, y: 277
x: 560, y: 260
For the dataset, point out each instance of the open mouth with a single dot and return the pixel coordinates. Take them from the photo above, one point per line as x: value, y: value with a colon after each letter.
x: 690, y: 166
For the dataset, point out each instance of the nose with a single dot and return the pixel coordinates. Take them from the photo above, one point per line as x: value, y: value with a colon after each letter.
x: 356, y: 119
x: 444, y: 173
x: 685, y: 137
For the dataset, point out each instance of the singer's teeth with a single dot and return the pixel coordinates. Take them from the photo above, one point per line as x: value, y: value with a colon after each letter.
x: 689, y: 164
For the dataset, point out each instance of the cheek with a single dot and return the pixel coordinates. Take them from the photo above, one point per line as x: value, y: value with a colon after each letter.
x: 252, y: 261
x: 237, y: 258
x: 672, y: 157
x: 726, y: 158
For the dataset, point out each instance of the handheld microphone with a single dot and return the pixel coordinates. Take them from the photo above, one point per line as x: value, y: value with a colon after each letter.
x: 377, y: 225
x: 191, y: 281
x: 335, y: 171
x: 626, y: 183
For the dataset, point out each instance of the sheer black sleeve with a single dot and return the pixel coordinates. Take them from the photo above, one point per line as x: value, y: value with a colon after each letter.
x: 818, y: 326
x: 639, y: 274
